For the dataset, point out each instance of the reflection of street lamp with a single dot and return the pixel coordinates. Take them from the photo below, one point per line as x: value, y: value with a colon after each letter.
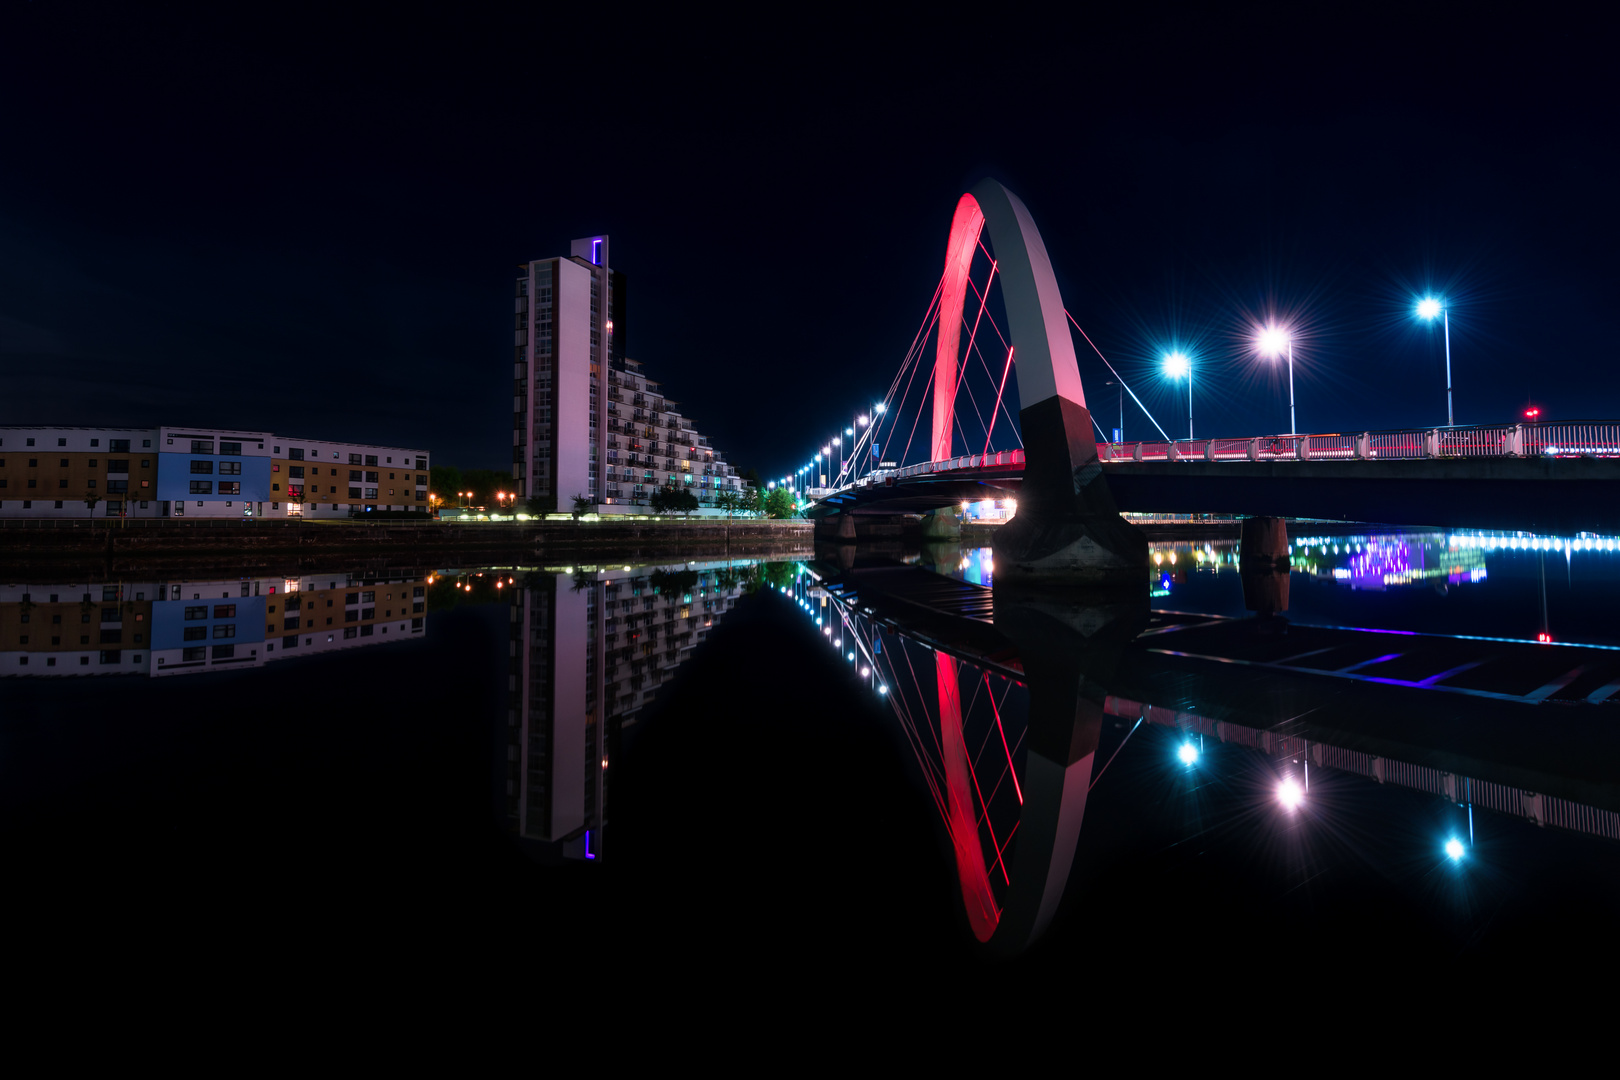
x: 1175, y: 366
x: 1273, y: 342
x: 1428, y: 308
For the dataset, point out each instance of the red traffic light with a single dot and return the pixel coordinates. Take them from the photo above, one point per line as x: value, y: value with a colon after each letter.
x: 1531, y: 414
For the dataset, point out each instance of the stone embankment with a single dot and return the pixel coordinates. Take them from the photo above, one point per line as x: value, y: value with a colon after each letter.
x: 106, y: 548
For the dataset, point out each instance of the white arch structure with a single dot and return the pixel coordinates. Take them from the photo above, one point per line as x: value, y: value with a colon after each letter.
x: 1067, y: 525
x: 1042, y: 347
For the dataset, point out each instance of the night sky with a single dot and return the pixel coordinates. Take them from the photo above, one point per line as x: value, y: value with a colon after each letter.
x: 312, y: 226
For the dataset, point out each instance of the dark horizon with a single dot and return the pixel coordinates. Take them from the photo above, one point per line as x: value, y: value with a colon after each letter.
x: 312, y: 228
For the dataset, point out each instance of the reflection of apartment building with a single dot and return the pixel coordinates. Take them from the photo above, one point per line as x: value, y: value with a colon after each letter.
x: 613, y: 438
x: 589, y: 651
x: 169, y: 628
x: 200, y: 472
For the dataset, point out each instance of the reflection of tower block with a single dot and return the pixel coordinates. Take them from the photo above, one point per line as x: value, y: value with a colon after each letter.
x: 1263, y: 565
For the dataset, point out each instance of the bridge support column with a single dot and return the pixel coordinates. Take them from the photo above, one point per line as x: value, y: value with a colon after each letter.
x: 1067, y: 525
x: 846, y: 526
x: 942, y: 524
x: 1263, y: 565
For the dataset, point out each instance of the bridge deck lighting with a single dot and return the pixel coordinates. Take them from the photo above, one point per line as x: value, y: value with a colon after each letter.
x: 883, y: 689
x: 1289, y: 794
x: 1454, y: 848
x: 1188, y: 753
x: 880, y: 407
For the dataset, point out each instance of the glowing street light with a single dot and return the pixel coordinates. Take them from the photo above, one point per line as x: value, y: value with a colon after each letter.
x: 1454, y: 849
x: 1428, y: 309
x: 1289, y: 794
x: 1188, y: 753
x: 1177, y: 365
x: 1273, y: 341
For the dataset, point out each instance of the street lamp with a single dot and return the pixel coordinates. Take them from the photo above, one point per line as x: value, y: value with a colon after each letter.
x: 1428, y: 308
x: 1273, y: 342
x: 1176, y: 365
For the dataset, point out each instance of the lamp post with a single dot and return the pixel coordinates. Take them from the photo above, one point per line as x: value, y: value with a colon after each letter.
x: 1176, y: 365
x: 1273, y: 341
x: 1427, y: 309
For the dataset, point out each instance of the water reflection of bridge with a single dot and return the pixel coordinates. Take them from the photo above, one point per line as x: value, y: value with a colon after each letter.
x: 1517, y: 728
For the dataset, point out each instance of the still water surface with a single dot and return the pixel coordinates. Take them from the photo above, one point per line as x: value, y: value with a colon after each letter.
x: 764, y: 767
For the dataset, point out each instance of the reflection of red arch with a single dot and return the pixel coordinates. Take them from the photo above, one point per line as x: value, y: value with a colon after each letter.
x: 961, y: 819
x: 1035, y: 315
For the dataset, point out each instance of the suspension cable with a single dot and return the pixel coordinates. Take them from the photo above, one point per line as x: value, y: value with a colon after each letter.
x: 1117, y: 375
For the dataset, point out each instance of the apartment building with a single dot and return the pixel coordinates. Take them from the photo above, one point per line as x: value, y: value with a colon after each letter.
x: 589, y: 650
x: 163, y: 628
x: 189, y: 472
x: 586, y: 419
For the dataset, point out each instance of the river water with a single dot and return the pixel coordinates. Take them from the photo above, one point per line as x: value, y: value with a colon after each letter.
x: 831, y: 763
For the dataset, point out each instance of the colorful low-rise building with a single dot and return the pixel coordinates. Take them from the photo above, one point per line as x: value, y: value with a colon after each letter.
x: 189, y: 472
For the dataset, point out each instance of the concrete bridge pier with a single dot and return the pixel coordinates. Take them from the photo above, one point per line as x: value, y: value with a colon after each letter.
x: 1263, y: 565
x: 1067, y: 527
x: 942, y: 524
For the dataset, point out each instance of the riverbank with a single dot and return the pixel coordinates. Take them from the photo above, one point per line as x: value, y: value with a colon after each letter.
x: 105, y: 548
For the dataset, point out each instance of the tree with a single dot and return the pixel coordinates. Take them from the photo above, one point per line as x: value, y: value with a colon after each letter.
x: 90, y: 500
x: 662, y: 500
x: 685, y: 502
x: 728, y: 500
x: 779, y: 504
x: 753, y: 502
x: 583, y: 504
x: 446, y: 481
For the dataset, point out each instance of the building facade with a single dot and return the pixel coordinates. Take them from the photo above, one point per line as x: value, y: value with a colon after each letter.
x: 586, y: 420
x: 201, y: 472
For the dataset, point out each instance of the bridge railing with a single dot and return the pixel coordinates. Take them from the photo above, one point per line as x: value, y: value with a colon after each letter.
x: 1574, y: 438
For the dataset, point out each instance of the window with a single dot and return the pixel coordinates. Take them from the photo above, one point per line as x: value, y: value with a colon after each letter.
x: 147, y: 443
x: 234, y: 448
x: 368, y: 613
x: 390, y: 476
x: 230, y: 487
x: 371, y: 493
x: 195, y: 633
x: 368, y: 598
x: 63, y: 483
x: 224, y: 630
x: 118, y: 446
x: 202, y: 446
x: 30, y: 442
x: 351, y: 616
x: 61, y: 442
x: 115, y: 464
x: 146, y: 463
x: 350, y: 631
x: 193, y: 613
x: 419, y: 592
x: 111, y: 637
x: 202, y: 487
x: 33, y: 462
x: 296, y: 472
x: 354, y: 459
x: 199, y: 652
x: 354, y: 476
x: 421, y: 463
x: 354, y: 492
x: 224, y: 652
x: 290, y: 641
x: 296, y: 453
x: 371, y: 478
x: 371, y: 459
x: 202, y: 468
x: 224, y: 611
x: 110, y: 656
x: 117, y: 487
x: 230, y: 468
x: 367, y: 631
x: 63, y: 463
x: 351, y: 598
x: 416, y: 624
x: 290, y: 622
x: 418, y: 607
